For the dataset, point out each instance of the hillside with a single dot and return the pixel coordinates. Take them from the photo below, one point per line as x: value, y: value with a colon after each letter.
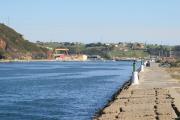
x: 108, y: 51
x: 14, y: 46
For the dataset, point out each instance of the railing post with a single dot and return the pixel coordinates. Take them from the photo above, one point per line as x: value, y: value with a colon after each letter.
x: 135, y: 79
x: 142, y: 65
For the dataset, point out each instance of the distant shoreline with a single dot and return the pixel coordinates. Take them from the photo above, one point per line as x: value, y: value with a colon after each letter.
x: 52, y: 60
x: 41, y: 60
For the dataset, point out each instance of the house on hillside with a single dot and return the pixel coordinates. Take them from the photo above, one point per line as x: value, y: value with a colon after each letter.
x: 138, y: 46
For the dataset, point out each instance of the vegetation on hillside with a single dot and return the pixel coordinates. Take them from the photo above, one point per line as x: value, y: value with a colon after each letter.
x: 13, y: 45
x: 108, y: 51
x: 116, y: 50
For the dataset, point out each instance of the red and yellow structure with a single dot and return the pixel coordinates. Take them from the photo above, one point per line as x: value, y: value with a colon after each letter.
x: 63, y: 55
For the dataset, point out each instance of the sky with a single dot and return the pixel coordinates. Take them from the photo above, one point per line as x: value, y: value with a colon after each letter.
x: 146, y: 21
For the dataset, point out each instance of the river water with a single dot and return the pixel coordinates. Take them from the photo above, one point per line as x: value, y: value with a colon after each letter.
x: 58, y: 90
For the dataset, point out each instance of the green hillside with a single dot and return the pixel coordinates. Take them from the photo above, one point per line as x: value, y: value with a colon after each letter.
x: 14, y: 46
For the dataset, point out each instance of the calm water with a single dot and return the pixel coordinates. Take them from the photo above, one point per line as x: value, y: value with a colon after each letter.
x: 58, y: 90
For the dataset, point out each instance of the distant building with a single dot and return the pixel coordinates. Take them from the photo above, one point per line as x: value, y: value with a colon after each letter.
x: 95, y: 57
x: 138, y: 46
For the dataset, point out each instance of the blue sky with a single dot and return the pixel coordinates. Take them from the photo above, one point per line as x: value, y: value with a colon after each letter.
x: 150, y: 21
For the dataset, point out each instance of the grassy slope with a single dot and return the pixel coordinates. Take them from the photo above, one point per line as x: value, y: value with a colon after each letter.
x: 130, y: 53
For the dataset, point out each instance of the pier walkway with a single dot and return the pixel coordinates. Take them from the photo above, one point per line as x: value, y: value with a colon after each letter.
x: 157, y: 97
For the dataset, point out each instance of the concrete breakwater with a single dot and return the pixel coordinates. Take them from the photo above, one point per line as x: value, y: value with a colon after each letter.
x: 156, y: 97
x: 125, y: 86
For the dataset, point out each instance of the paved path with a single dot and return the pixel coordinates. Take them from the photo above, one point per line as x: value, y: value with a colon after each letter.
x: 157, y: 97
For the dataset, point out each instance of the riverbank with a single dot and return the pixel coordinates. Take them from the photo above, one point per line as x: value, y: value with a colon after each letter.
x: 17, y: 60
x: 157, y: 97
x: 36, y: 60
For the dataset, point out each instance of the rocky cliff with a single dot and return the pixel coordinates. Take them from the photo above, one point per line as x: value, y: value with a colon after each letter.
x: 2, y: 44
x: 14, y: 46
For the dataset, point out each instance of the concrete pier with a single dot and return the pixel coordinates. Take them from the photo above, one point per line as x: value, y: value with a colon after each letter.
x: 156, y: 97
